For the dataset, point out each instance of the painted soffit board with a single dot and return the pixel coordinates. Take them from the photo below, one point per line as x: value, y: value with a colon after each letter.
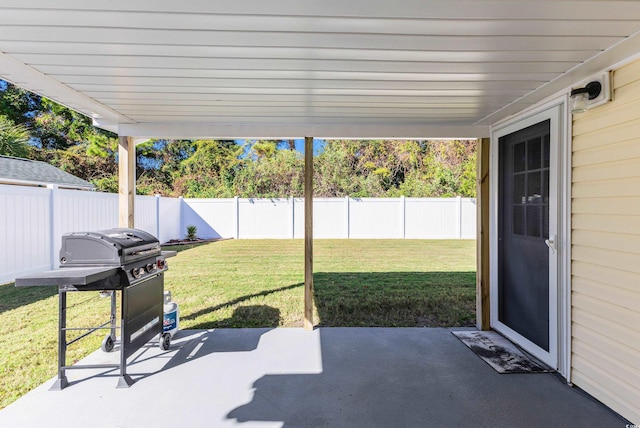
x: 27, y: 77
x: 626, y: 50
x: 484, y: 14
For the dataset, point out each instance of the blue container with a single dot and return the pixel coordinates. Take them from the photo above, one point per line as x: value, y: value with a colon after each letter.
x: 171, y: 319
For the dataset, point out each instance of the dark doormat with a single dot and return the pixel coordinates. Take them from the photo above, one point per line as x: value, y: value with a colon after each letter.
x: 499, y: 353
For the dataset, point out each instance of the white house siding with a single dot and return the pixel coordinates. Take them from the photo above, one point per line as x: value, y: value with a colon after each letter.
x: 606, y: 248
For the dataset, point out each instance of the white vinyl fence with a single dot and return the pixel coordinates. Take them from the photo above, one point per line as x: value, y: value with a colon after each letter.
x: 33, y: 219
x: 342, y: 218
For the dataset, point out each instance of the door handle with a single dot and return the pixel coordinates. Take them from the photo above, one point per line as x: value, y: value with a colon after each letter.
x: 551, y: 243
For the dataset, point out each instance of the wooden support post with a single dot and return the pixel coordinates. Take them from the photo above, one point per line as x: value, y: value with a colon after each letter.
x: 483, y: 319
x: 308, y: 233
x: 126, y: 181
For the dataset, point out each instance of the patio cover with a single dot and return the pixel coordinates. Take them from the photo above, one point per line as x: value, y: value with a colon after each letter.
x: 295, y: 68
x: 292, y: 68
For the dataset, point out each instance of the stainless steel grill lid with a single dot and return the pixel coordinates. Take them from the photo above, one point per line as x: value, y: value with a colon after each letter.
x: 111, y: 247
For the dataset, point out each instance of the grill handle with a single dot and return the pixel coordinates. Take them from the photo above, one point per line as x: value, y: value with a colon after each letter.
x: 144, y: 252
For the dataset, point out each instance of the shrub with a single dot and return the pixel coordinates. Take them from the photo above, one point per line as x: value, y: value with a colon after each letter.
x: 191, y: 232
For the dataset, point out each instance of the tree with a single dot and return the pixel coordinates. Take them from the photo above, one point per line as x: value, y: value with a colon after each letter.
x: 50, y: 124
x: 263, y: 149
x: 278, y: 175
x: 13, y: 138
x: 209, y: 171
x: 450, y: 167
x: 58, y: 127
x: 364, y: 168
x: 334, y: 171
x: 17, y: 104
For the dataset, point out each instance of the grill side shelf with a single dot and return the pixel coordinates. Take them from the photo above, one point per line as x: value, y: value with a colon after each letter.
x: 69, y: 276
x: 168, y: 253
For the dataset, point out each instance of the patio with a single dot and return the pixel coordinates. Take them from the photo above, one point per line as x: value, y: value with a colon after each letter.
x: 291, y: 377
x: 481, y: 69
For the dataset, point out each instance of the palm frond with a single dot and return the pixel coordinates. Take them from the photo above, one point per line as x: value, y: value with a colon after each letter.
x: 13, y: 138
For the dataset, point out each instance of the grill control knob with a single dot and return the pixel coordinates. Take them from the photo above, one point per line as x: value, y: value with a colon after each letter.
x: 137, y: 272
x: 161, y: 264
x: 151, y: 267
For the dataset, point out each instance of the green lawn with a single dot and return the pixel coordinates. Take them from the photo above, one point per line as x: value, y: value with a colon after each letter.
x: 258, y: 283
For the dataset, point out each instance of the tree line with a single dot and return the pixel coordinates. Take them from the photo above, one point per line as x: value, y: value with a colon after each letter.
x: 37, y: 128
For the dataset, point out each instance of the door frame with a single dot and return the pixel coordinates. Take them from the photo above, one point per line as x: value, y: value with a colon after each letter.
x: 557, y: 112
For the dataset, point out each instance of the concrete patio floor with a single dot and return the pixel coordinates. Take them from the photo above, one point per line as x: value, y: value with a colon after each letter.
x: 334, y: 377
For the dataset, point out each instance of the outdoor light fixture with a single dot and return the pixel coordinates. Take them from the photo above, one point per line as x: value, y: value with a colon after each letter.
x: 579, y: 100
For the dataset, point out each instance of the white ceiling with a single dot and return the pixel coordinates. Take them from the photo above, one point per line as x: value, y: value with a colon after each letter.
x: 293, y: 68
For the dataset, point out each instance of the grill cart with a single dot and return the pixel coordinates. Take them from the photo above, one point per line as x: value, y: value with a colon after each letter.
x: 128, y: 261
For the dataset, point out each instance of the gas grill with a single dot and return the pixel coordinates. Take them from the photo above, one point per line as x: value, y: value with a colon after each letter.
x: 128, y: 261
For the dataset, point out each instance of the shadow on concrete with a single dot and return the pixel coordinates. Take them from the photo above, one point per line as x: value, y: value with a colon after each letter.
x: 190, y: 345
x: 412, y: 378
x: 194, y: 345
x: 336, y: 377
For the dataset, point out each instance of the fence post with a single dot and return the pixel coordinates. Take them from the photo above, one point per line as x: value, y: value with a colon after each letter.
x: 158, y: 216
x: 403, y: 216
x: 293, y: 217
x: 53, y: 188
x: 181, y: 216
x: 459, y: 213
x: 346, y: 216
x: 237, y: 217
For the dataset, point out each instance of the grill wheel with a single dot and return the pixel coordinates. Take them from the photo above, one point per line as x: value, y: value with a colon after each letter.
x: 165, y: 341
x: 108, y: 344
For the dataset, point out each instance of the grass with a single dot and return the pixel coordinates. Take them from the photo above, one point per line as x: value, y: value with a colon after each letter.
x: 248, y: 283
